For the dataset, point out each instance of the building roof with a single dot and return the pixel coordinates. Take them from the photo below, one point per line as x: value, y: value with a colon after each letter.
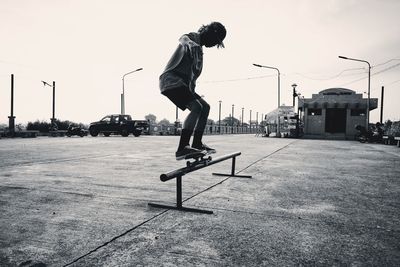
x: 337, y: 91
x: 283, y: 111
x: 337, y: 98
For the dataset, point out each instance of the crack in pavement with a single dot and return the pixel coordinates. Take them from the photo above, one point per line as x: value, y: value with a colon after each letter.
x: 163, y: 212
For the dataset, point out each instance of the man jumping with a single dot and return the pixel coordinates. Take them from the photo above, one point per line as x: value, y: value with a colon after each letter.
x: 178, y: 82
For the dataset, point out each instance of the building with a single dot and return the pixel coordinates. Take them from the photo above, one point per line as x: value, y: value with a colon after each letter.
x: 288, y: 121
x: 333, y: 113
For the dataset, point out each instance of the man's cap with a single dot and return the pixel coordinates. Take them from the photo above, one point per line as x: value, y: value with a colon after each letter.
x: 220, y: 32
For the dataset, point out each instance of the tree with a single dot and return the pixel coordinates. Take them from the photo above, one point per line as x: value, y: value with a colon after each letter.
x: 41, y: 126
x: 210, y: 122
x: 164, y: 122
x: 228, y: 121
x: 151, y: 118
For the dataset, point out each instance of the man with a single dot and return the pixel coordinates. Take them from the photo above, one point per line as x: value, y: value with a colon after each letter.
x: 178, y: 82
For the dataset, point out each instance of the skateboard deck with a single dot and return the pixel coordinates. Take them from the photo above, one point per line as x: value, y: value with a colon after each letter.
x: 202, y: 158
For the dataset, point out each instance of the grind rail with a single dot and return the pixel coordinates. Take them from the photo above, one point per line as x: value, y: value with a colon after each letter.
x: 179, y: 173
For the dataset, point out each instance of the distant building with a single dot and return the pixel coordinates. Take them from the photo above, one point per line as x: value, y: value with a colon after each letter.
x: 334, y: 113
x: 287, y: 121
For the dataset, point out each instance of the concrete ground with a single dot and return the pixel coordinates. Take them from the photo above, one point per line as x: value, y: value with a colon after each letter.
x: 83, y: 202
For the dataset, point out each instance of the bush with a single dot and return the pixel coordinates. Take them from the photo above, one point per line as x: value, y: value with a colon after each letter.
x: 44, y: 127
x: 392, y: 128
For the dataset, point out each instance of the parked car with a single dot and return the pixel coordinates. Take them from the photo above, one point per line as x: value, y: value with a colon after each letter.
x: 76, y: 130
x: 118, y: 124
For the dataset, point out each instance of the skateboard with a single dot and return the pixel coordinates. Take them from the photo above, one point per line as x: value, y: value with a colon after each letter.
x: 201, y: 158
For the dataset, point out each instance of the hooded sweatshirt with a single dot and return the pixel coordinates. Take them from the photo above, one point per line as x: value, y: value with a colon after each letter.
x: 185, y: 65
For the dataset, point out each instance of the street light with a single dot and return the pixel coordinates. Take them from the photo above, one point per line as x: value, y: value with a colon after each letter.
x: 278, y: 131
x: 242, y: 115
x: 250, y: 121
x: 257, y: 119
x: 53, y: 119
x: 294, y: 93
x: 369, y: 81
x: 219, y: 120
x: 233, y: 110
x: 11, y: 118
x: 123, y: 90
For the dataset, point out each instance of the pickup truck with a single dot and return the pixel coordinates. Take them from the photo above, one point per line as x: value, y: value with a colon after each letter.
x: 118, y: 124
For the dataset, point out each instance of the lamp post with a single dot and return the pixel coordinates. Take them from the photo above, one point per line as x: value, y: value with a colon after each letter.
x: 250, y: 121
x: 233, y: 110
x: 123, y: 90
x: 242, y: 115
x: 219, y: 117
x: 176, y: 121
x: 257, y: 119
x: 11, y: 118
x: 53, y: 118
x: 278, y: 131
x: 369, y: 82
x: 294, y: 93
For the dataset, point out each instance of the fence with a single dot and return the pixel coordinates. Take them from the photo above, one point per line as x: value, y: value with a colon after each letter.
x: 156, y: 129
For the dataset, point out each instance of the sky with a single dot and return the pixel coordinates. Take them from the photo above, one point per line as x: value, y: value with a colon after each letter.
x: 86, y: 46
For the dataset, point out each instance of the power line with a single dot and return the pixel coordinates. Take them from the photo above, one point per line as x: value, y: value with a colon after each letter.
x: 332, y: 77
x: 388, y: 68
x: 381, y: 71
x: 283, y: 74
x: 390, y: 60
x: 392, y: 82
x: 387, y: 84
x: 239, y: 79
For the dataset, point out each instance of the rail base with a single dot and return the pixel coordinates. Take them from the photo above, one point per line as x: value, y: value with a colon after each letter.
x: 179, y: 173
x: 232, y: 175
x: 155, y: 205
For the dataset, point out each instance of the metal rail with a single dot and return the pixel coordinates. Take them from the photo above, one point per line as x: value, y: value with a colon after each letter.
x: 179, y: 173
x: 182, y: 171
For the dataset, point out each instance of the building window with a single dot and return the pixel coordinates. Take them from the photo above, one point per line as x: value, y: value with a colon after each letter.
x: 357, y: 112
x: 314, y: 111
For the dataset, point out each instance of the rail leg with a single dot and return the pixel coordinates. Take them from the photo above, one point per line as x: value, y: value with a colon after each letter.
x: 179, y: 192
x: 232, y: 174
x: 179, y: 201
x: 233, y: 166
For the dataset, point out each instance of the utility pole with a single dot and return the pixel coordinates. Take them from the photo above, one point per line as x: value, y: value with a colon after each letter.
x: 242, y: 115
x: 250, y: 121
x: 219, y: 117
x: 233, y: 109
x: 11, y: 118
x: 257, y: 119
x: 53, y: 119
x: 176, y: 121
x: 382, y: 94
x: 294, y: 93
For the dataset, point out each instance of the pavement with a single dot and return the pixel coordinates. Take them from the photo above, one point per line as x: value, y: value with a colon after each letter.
x: 84, y: 202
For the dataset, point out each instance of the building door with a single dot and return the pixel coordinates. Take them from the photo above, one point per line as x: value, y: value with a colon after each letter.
x: 335, y: 120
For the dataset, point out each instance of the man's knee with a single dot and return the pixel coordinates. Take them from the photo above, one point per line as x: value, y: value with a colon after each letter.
x: 206, y: 108
x: 195, y: 107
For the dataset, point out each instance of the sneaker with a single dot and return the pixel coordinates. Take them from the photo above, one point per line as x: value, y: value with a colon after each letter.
x: 207, y: 149
x: 187, y: 152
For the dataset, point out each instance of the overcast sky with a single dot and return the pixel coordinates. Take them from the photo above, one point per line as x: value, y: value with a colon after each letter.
x: 87, y: 46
